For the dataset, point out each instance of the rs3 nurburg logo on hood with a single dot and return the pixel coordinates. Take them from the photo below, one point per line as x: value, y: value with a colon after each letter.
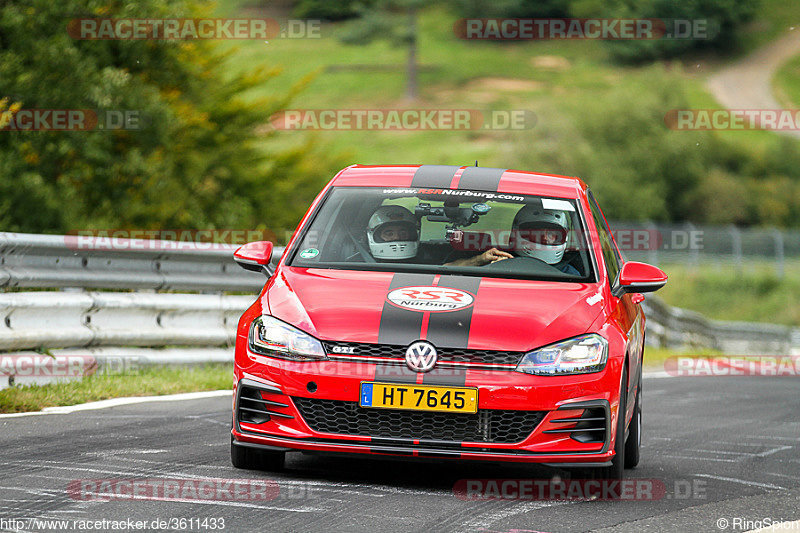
x: 430, y: 298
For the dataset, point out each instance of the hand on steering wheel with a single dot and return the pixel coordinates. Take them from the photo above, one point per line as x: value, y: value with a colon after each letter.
x: 492, y: 255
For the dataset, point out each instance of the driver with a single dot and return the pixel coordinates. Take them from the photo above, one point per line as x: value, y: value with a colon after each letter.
x: 536, y: 232
x: 542, y: 234
x: 393, y: 233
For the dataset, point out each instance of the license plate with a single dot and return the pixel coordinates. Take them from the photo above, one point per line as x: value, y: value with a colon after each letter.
x: 419, y: 397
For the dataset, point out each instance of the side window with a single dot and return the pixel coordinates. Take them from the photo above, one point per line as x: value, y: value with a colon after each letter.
x: 610, y: 254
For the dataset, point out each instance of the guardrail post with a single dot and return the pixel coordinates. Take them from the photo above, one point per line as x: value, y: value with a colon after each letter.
x: 779, y: 252
x: 736, y: 244
x: 652, y: 254
x: 694, y: 253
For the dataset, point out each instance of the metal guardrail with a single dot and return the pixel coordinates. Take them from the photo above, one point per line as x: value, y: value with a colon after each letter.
x: 57, y: 261
x: 43, y: 320
x: 64, y: 319
x: 673, y: 327
x: 693, y: 246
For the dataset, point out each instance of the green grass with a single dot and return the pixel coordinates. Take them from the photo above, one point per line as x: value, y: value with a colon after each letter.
x: 150, y: 381
x: 755, y: 295
x: 787, y: 83
x: 444, y: 83
x: 461, y: 75
x: 654, y: 358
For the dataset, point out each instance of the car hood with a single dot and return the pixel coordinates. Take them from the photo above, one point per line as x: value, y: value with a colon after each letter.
x: 449, y: 311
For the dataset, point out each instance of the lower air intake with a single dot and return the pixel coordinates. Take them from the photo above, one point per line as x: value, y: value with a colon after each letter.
x: 487, y: 425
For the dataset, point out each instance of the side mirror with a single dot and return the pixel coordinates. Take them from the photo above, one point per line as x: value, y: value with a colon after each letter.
x: 638, y: 277
x: 255, y: 256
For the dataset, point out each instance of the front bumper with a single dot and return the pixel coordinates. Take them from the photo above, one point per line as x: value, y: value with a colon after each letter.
x: 575, y: 414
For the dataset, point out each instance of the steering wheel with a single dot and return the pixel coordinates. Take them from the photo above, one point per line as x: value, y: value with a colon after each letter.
x: 517, y: 264
x: 361, y: 248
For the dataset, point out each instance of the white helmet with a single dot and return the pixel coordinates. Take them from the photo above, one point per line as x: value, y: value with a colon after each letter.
x: 393, y: 233
x: 540, y: 233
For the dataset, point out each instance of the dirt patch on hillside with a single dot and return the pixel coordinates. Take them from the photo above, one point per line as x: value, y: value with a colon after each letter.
x: 551, y: 62
x: 510, y: 85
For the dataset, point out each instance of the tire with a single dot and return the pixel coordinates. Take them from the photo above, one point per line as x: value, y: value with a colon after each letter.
x: 248, y: 458
x: 617, y: 468
x: 634, y: 443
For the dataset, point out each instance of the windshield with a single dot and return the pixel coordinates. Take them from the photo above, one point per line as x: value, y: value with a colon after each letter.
x: 453, y: 231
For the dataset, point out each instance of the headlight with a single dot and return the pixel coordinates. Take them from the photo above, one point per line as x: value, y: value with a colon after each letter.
x: 269, y: 336
x: 579, y: 355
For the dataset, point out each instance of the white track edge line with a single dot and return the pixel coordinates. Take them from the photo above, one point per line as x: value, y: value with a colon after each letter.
x: 116, y: 402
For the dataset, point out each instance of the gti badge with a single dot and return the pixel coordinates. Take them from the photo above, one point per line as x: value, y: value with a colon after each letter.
x: 344, y: 349
x: 421, y: 356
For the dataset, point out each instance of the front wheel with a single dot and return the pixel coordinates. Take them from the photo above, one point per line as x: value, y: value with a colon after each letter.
x: 617, y: 467
x: 248, y: 458
x: 634, y: 442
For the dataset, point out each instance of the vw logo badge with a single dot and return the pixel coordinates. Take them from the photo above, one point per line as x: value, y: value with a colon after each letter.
x: 421, y: 356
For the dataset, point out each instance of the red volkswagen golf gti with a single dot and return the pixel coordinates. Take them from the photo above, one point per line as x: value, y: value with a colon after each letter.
x: 445, y: 312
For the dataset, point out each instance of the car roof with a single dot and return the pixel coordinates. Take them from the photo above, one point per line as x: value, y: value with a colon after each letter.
x: 463, y: 178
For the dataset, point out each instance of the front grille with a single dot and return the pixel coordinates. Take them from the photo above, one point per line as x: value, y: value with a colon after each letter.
x: 446, y: 355
x: 487, y: 425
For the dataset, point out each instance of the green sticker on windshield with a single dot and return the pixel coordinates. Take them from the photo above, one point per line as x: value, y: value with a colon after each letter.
x: 309, y: 253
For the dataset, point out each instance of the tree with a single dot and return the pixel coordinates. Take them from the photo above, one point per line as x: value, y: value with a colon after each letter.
x: 195, y: 160
x: 512, y: 8
x: 722, y: 21
x: 394, y: 21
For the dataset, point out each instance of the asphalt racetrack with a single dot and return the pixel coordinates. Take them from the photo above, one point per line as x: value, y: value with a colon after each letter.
x: 726, y: 450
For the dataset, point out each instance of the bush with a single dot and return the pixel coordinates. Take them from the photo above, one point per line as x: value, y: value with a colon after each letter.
x: 329, y: 9
x: 725, y: 19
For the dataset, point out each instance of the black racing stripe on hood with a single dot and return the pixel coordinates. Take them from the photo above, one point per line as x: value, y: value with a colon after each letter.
x: 439, y: 176
x: 451, y: 329
x: 402, y: 326
x: 480, y: 179
x: 445, y: 376
x: 395, y: 374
